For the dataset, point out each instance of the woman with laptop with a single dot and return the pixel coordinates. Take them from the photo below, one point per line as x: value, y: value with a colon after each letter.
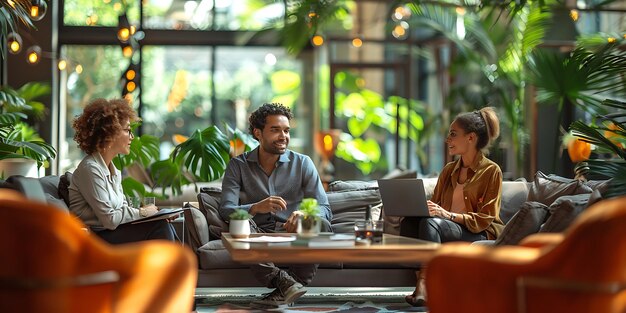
x: 465, y: 205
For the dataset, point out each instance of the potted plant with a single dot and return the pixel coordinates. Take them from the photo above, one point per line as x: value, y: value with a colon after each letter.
x: 239, y: 226
x: 309, y: 223
x: 22, y: 151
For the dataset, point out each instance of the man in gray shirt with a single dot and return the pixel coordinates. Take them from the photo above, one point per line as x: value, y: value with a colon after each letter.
x: 270, y: 182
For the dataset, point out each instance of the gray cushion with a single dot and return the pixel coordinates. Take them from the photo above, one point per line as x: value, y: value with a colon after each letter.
x: 526, y: 221
x: 601, y: 185
x: 563, y: 212
x: 64, y: 184
x: 595, y: 196
x: 399, y: 173
x: 350, y: 205
x: 514, y: 194
x: 209, y: 203
x: 213, y: 255
x: 340, y: 185
x: 547, y: 188
x: 197, y: 228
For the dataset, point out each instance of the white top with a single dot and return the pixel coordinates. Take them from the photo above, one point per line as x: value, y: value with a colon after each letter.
x: 96, y: 195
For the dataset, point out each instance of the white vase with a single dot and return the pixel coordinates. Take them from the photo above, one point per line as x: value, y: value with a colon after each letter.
x: 239, y: 228
x: 309, y: 228
x: 17, y: 166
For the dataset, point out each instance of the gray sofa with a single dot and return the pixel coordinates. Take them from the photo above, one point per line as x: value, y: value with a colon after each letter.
x: 348, y: 201
x: 547, y: 204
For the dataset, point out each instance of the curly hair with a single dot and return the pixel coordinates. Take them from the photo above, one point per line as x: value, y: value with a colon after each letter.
x: 100, y: 121
x: 258, y: 118
x: 484, y: 123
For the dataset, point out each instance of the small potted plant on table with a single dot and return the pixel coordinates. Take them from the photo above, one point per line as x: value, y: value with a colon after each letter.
x: 239, y: 224
x: 309, y: 223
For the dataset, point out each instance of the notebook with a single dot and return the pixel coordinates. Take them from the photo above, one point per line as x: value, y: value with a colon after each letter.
x: 403, y: 197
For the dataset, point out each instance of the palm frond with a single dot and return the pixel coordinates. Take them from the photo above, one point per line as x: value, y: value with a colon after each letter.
x: 614, y: 170
x: 305, y: 18
x: 12, y: 14
x: 594, y: 136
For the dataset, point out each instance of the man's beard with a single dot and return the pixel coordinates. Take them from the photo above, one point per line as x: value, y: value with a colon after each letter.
x: 271, y: 148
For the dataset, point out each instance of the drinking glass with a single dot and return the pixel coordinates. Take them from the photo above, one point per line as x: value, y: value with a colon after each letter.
x: 148, y: 201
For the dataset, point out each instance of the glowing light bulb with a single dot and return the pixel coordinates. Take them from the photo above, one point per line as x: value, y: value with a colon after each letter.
x: 317, y: 40
x: 62, y: 65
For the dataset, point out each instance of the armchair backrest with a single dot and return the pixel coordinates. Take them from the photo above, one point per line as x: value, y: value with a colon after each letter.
x: 594, y: 247
x: 48, y: 263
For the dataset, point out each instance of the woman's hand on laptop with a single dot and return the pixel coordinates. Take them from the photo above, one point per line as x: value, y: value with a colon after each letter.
x: 435, y: 210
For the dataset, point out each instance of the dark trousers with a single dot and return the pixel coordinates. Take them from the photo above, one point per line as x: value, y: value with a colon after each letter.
x: 265, y: 273
x: 160, y: 229
x: 437, y: 230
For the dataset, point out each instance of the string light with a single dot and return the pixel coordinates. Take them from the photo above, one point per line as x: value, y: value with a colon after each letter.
x: 317, y: 40
x: 62, y: 65
x: 38, y: 9
x: 357, y: 42
x: 33, y: 54
x: 573, y: 14
x: 14, y: 42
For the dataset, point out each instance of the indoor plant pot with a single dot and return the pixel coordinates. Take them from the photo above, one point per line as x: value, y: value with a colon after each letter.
x: 239, y: 224
x: 309, y: 223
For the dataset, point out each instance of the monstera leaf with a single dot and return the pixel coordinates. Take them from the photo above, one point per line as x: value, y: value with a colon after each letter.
x: 204, y: 155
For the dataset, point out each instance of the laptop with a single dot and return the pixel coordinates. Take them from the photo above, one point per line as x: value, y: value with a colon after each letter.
x: 403, y: 197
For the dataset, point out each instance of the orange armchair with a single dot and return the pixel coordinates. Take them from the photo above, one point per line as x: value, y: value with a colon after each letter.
x: 48, y: 263
x: 582, y: 270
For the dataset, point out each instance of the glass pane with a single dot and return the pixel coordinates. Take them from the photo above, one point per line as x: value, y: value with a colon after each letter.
x: 247, y: 14
x: 177, y: 92
x: 248, y: 77
x: 92, y: 72
x: 367, y: 103
x: 222, y: 14
x: 98, y: 13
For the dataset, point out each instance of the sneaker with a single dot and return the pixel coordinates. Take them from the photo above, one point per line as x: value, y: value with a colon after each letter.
x: 272, y: 300
x: 291, y: 289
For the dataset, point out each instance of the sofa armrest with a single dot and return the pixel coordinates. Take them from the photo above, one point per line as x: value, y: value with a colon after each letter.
x: 540, y: 240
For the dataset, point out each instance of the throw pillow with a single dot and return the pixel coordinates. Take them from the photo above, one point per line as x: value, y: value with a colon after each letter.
x: 547, y: 188
x: 64, y: 184
x: 400, y: 173
x: 209, y: 204
x: 514, y: 194
x: 563, y: 212
x: 601, y: 185
x: 340, y: 185
x: 197, y: 229
x: 526, y: 221
x: 595, y: 196
x: 350, y: 205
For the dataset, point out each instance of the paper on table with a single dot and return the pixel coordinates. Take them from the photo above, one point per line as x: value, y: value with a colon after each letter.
x: 267, y: 239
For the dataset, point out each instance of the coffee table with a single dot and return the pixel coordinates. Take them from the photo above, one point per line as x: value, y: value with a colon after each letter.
x: 393, y: 249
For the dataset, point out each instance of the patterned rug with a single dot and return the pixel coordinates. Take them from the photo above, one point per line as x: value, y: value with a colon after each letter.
x: 312, y: 302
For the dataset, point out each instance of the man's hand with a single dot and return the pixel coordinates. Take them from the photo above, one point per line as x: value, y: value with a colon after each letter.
x: 271, y: 204
x: 291, y: 225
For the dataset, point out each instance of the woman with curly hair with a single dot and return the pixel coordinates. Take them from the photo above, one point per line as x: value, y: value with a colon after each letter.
x: 96, y: 197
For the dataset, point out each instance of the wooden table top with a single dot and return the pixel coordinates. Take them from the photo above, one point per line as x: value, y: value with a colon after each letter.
x: 393, y: 249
